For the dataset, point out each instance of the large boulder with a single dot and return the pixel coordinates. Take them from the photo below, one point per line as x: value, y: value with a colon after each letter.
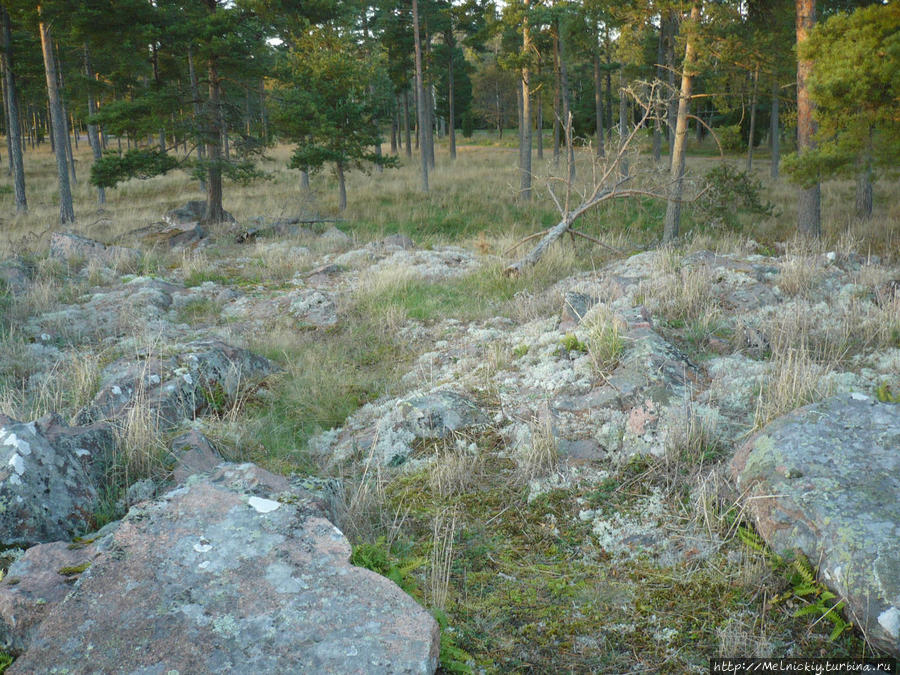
x: 188, y: 214
x: 825, y: 479
x: 68, y: 246
x: 48, y: 478
x: 35, y: 584
x: 228, y: 575
x: 205, y: 375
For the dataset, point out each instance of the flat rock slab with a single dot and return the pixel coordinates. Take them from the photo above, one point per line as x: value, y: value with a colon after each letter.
x: 825, y: 479
x: 210, y: 579
x: 48, y: 478
x: 34, y: 584
x: 69, y: 246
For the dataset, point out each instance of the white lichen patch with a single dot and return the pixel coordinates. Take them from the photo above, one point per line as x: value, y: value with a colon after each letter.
x: 263, y: 505
x: 890, y: 621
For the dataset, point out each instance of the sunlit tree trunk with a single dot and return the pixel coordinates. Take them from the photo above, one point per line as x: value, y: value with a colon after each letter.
x: 525, y: 151
x: 598, y: 104
x: 420, y: 92
x: 676, y: 189
x: 58, y: 122
x: 809, y: 219
x: 14, y: 129
x: 93, y: 136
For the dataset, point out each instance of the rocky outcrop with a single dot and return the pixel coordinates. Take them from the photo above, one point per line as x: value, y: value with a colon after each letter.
x: 68, y: 246
x: 825, y: 479
x: 203, y: 376
x: 15, y: 276
x: 193, y: 453
x: 49, y: 477
x: 302, y: 307
x: 35, y: 584
x: 229, y: 575
x: 190, y: 213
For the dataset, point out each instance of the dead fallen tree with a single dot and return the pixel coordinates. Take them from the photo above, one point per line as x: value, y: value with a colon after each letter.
x: 607, y: 183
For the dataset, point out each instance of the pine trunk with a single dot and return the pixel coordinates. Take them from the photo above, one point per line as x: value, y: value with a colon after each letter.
x: 195, y: 95
x: 452, y: 112
x: 623, y: 125
x: 809, y: 220
x: 557, y: 99
x: 406, y: 125
x: 598, y: 105
x: 420, y: 93
x: 540, y: 127
x: 215, y: 213
x: 342, y: 186
x: 673, y: 207
x: 775, y: 131
x: 658, y: 128
x: 58, y: 121
x: 15, y: 129
x: 566, y: 106
x: 525, y: 183
x: 672, y: 109
x: 753, y: 102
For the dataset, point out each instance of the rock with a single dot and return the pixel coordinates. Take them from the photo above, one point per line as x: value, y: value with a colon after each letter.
x: 217, y: 577
x: 335, y: 236
x: 169, y: 235
x: 36, y: 583
x: 306, y: 307
x: 310, y: 306
x: 435, y: 415
x: 577, y: 305
x: 68, y: 247
x: 15, y: 276
x: 189, y: 214
x: 205, y: 375
x: 825, y: 479
x: 194, y: 454
x: 49, y: 473
x: 399, y: 241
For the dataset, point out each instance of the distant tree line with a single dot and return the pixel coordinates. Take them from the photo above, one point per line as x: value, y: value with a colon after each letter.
x: 205, y: 86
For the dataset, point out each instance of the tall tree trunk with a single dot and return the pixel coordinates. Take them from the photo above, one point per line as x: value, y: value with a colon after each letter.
x: 660, y: 55
x: 429, y: 125
x: 672, y: 109
x: 525, y: 151
x: 774, y: 130
x: 598, y: 104
x: 809, y: 219
x: 9, y: 166
x: 304, y: 180
x: 540, y: 127
x: 58, y: 121
x: 566, y: 105
x: 609, y: 127
x: 557, y: 99
x: 215, y: 213
x: 673, y: 207
x: 420, y: 92
x: 623, y: 123
x: 395, y: 122
x: 342, y: 185
x: 406, y: 125
x: 15, y: 129
x: 753, y: 102
x: 263, y: 114
x: 195, y: 95
x: 450, y: 105
x: 69, y: 153
x: 93, y: 136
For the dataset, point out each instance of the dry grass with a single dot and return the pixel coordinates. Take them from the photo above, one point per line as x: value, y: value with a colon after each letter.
x: 541, y: 457
x: 793, y: 380
x: 456, y: 467
x: 443, y: 532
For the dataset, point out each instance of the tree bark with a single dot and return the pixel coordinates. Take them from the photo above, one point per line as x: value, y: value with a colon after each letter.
x: 672, y: 108
x: 195, y: 95
x: 566, y: 106
x: 753, y: 102
x: 304, y: 180
x: 623, y: 123
x: 598, y: 104
x: 539, y: 126
x: 342, y: 186
x: 93, y: 136
x: 215, y: 213
x: 864, y: 184
x: 774, y: 130
x: 557, y: 99
x: 809, y: 219
x: 9, y: 166
x: 452, y: 112
x: 394, y: 124
x: 658, y: 127
x: 420, y: 93
x: 15, y: 128
x: 673, y: 207
x: 406, y: 125
x: 525, y: 151
x: 58, y: 122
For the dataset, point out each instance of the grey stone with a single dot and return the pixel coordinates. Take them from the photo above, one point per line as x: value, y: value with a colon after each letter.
x: 205, y: 375
x: 334, y: 235
x: 49, y: 477
x: 34, y: 584
x: 215, y: 577
x: 577, y: 305
x: 190, y: 213
x: 398, y: 240
x: 68, y: 246
x: 825, y: 479
x: 15, y: 276
x: 193, y: 453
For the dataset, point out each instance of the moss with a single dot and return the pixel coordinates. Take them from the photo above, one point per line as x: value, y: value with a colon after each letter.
x: 73, y: 570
